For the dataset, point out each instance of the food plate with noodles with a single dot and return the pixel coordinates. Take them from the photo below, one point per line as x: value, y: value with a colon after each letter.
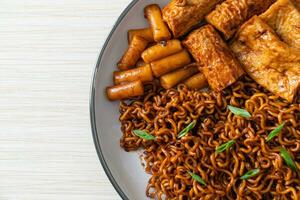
x: 199, y: 99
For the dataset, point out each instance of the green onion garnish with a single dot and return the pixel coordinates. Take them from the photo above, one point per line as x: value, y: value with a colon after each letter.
x: 238, y: 111
x: 250, y: 174
x: 187, y: 129
x: 197, y: 178
x: 275, y: 132
x: 143, y: 134
x: 225, y: 146
x: 288, y: 159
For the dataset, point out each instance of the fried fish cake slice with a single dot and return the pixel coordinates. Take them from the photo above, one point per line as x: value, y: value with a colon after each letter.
x: 268, y: 60
x: 182, y: 15
x: 284, y: 18
x: 230, y: 14
x: 220, y: 67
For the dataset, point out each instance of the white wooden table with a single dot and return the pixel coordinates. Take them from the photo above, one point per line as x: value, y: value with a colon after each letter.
x: 48, y: 49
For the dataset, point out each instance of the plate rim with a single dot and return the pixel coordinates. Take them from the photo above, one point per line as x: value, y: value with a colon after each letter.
x: 92, y: 104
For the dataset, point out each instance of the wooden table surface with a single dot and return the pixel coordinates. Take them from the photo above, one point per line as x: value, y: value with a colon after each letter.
x: 48, y: 50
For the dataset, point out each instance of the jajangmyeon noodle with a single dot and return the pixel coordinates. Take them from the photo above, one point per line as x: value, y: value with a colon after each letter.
x: 169, y: 159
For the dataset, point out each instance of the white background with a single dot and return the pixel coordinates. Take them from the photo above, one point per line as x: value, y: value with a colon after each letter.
x: 48, y: 50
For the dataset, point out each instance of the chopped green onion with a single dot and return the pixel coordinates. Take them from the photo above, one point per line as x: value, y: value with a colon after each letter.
x: 250, y: 174
x: 197, y: 178
x: 288, y: 159
x: 225, y: 146
x: 187, y: 129
x: 238, y: 111
x: 275, y: 132
x: 143, y: 134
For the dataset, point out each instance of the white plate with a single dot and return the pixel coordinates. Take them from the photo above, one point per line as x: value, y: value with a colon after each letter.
x: 122, y: 168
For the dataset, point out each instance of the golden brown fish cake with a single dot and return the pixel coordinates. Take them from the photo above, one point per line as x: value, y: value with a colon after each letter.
x: 220, y: 67
x: 182, y: 15
x: 268, y: 60
x: 284, y: 18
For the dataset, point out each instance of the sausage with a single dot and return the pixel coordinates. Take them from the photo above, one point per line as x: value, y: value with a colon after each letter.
x: 143, y: 73
x: 171, y: 79
x: 158, y: 27
x: 197, y: 81
x: 170, y: 63
x: 125, y: 91
x: 161, y: 50
x: 145, y: 33
x: 133, y: 53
